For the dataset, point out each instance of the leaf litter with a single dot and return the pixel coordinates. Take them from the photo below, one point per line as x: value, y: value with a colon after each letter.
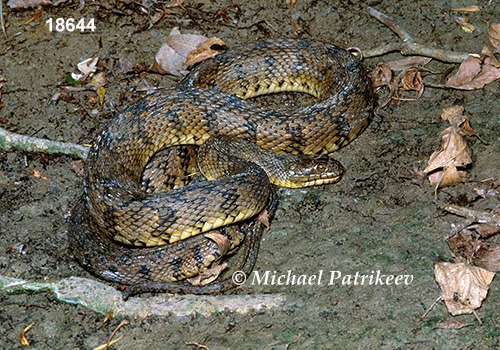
x: 180, y: 51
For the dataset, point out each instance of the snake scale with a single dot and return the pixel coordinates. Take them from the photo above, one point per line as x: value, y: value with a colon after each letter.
x: 131, y: 228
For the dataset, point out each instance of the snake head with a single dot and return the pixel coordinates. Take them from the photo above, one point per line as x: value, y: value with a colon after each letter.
x: 313, y: 170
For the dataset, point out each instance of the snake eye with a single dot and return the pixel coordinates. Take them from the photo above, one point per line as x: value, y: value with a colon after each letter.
x: 322, y: 168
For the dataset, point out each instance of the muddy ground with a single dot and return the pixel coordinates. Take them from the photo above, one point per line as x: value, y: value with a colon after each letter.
x: 376, y: 218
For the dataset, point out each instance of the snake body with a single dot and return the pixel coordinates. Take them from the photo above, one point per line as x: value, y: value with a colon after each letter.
x: 210, y: 104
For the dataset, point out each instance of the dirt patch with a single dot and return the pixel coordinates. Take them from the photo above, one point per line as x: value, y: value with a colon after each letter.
x: 375, y: 219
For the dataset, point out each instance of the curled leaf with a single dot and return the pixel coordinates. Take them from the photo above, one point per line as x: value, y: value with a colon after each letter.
x: 463, y: 22
x: 443, y: 164
x: 494, y: 35
x: 412, y: 80
x: 381, y: 75
x: 207, y: 276
x: 458, y: 120
x: 172, y: 56
x: 204, y: 51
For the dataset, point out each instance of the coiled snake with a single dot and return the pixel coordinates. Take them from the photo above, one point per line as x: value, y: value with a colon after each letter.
x: 125, y: 202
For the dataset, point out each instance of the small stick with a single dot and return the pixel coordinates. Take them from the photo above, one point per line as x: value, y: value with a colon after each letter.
x: 1, y: 21
x: 388, y: 21
x: 480, y: 217
x: 410, y: 46
x: 430, y: 308
x: 11, y: 141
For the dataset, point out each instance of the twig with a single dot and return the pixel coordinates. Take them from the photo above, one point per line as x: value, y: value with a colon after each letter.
x: 124, y: 322
x: 200, y: 346
x: 11, y: 141
x: 480, y: 217
x: 430, y: 308
x: 409, y: 46
x: 1, y: 21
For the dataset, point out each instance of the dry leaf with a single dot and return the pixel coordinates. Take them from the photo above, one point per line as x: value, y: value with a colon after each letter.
x: 463, y: 247
x: 38, y: 174
x: 474, y: 75
x: 207, y: 276
x: 488, y: 258
x: 26, y: 4
x: 464, y: 24
x: 494, y: 35
x: 101, y: 92
x: 467, y: 71
x: 450, y: 324
x: 448, y: 177
x: 453, y: 153
x: 222, y: 241
x: 473, y: 8
x: 463, y: 287
x: 98, y: 80
x: 412, y: 81
x: 486, y: 230
x: 203, y: 51
x: 171, y: 58
x: 381, y: 75
x: 264, y: 218
x: 86, y: 67
x: 460, y: 122
x: 108, y: 316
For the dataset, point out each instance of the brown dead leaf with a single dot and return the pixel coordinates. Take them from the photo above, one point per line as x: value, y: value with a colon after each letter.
x: 381, y: 75
x: 412, y: 81
x: 38, y: 174
x: 207, y: 276
x: 472, y: 74
x: 171, y: 58
x: 203, y: 51
x: 449, y: 176
x: 264, y: 218
x: 463, y: 287
x: 463, y: 247
x: 463, y: 22
x: 453, y: 153
x: 450, y: 324
x: 494, y: 35
x: 473, y: 8
x: 26, y: 4
x: 221, y: 240
x: 486, y: 230
x: 460, y: 122
x: 488, y: 258
x: 467, y: 71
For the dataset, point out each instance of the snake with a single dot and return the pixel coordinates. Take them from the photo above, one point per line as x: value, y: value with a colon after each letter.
x: 136, y: 225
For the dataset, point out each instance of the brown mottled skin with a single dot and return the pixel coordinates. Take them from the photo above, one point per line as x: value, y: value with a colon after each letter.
x: 125, y: 203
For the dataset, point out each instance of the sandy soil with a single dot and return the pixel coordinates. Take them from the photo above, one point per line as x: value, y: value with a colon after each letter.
x: 375, y: 219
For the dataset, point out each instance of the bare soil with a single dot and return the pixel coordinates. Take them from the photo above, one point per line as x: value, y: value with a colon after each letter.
x: 375, y: 219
